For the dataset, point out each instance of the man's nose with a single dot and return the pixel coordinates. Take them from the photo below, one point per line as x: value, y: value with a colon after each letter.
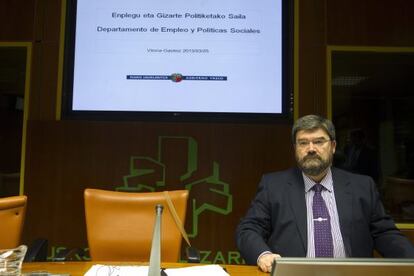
x: 311, y: 147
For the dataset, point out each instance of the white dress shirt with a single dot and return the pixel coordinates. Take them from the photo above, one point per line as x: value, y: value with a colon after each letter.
x: 328, y: 195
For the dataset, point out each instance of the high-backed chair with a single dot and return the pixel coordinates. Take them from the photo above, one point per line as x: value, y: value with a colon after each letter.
x: 120, y: 224
x: 400, y: 192
x: 12, y: 213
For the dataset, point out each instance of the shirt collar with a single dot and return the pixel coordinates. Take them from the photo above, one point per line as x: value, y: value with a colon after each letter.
x: 326, y: 182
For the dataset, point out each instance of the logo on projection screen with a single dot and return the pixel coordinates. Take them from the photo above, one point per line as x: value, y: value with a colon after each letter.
x: 176, y: 77
x: 175, y: 166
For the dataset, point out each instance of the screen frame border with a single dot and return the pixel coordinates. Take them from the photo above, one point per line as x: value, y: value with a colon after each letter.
x: 67, y: 112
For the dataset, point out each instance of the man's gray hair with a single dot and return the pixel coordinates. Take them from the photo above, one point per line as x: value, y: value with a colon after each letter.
x: 313, y: 122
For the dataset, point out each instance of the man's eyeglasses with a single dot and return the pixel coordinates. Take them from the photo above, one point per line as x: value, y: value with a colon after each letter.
x: 316, y: 142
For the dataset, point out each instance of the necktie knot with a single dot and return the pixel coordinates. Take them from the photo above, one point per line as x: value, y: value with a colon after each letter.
x: 317, y: 188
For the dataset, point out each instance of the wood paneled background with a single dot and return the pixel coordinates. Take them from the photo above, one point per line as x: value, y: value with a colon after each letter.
x: 64, y: 157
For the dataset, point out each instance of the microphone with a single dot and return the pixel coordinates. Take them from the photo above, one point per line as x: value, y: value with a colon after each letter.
x: 155, y: 257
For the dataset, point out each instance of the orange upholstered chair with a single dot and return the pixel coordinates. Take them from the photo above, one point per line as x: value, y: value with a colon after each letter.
x: 12, y: 213
x: 120, y: 224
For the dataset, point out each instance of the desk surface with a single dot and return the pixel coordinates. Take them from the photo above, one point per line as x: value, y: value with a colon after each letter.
x: 80, y: 268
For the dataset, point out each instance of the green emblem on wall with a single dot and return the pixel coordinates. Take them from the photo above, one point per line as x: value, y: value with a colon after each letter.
x: 176, y: 166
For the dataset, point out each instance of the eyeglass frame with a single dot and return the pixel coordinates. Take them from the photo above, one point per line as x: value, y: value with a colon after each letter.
x: 317, y: 142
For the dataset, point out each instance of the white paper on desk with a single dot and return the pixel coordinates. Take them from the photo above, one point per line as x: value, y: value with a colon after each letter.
x: 200, y: 270
x: 117, y: 270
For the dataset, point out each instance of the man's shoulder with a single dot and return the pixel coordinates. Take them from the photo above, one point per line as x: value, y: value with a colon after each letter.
x: 340, y: 173
x: 357, y: 182
x: 279, y: 180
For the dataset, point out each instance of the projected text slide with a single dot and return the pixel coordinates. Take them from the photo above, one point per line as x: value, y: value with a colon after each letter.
x: 188, y: 56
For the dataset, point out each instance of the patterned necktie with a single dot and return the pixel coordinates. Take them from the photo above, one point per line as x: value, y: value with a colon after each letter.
x: 321, y: 224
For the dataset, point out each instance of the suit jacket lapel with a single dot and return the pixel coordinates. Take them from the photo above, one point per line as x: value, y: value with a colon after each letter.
x: 298, y: 205
x: 343, y: 198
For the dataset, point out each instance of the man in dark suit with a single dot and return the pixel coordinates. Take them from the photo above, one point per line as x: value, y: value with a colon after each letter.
x: 316, y: 210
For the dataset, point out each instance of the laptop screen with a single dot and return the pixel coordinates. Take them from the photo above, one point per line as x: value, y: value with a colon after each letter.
x: 342, y: 267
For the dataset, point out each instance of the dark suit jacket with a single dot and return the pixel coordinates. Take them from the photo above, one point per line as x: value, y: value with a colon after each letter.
x: 276, y: 220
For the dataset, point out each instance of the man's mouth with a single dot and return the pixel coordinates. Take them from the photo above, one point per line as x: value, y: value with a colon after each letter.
x: 312, y: 157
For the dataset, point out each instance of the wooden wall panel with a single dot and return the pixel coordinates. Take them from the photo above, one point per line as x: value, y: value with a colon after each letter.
x: 64, y: 158
x: 47, y: 20
x: 16, y: 20
x: 45, y: 60
x: 312, y: 58
x: 43, y: 89
x: 370, y: 22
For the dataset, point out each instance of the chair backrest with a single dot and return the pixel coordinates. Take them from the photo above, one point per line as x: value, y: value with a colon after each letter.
x: 400, y: 192
x: 120, y: 224
x: 12, y: 213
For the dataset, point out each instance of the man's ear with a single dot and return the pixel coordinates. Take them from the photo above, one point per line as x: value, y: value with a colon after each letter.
x: 333, y: 143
